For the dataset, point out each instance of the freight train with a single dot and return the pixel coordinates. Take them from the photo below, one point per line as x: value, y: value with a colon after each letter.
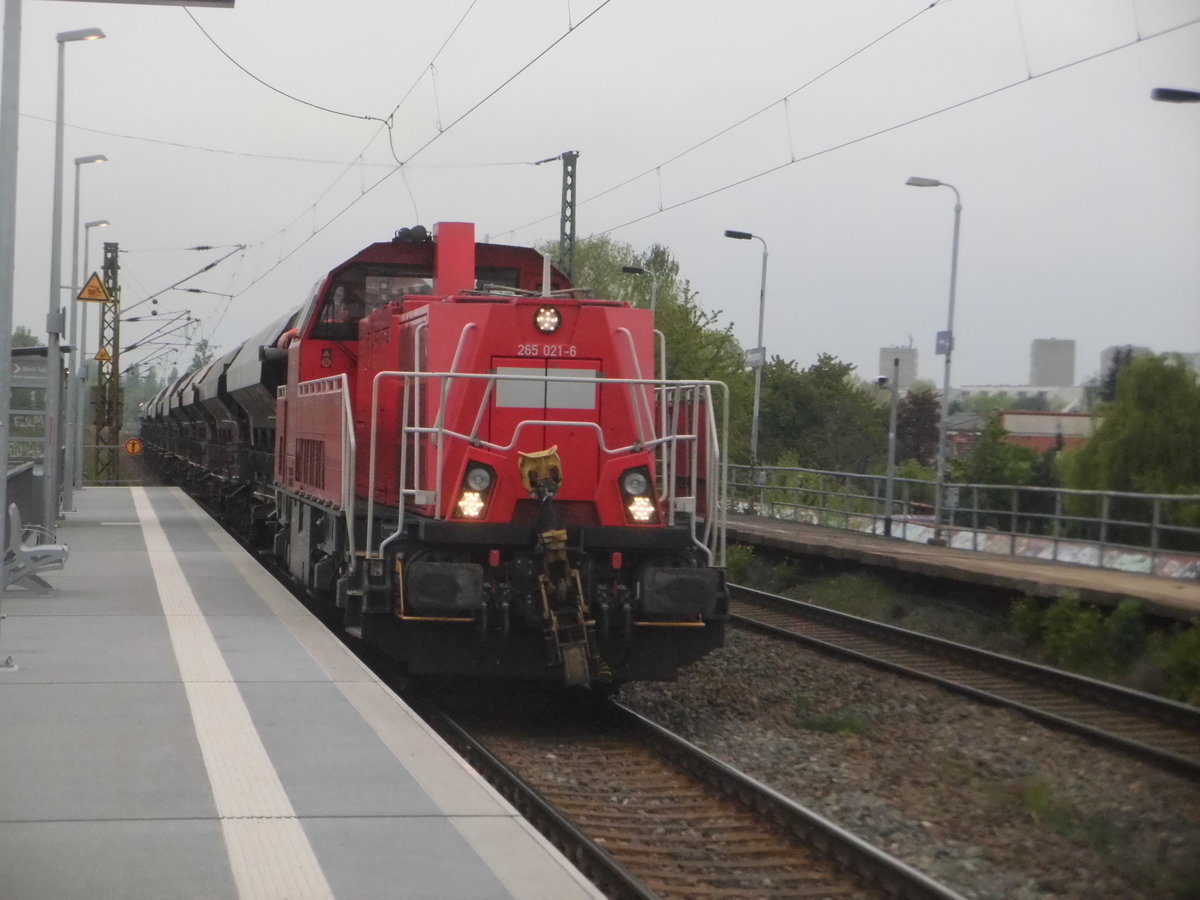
x: 475, y: 466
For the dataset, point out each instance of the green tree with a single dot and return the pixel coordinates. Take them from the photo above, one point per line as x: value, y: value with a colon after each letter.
x: 992, y: 403
x: 823, y: 414
x: 1121, y: 358
x: 202, y: 356
x: 698, y: 346
x: 917, y: 417
x: 994, y: 460
x: 1151, y: 431
x: 1147, y: 444
x: 598, y: 264
x: 23, y: 337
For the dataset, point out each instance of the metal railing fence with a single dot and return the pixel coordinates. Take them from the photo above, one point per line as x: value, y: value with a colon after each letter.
x: 1155, y: 533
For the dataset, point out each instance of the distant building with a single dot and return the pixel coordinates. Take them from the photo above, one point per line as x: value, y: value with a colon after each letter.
x: 1191, y: 360
x: 962, y: 433
x: 1045, y: 430
x: 1040, y: 431
x: 1109, y: 353
x: 908, y: 364
x: 1052, y: 363
x: 1065, y: 398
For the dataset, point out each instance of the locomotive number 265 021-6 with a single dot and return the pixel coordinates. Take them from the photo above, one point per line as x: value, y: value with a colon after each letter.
x: 549, y: 351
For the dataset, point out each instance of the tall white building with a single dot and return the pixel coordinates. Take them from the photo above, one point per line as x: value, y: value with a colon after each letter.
x: 1052, y: 363
x: 908, y: 364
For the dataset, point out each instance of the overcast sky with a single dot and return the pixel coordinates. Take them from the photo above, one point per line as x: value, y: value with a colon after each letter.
x: 1081, y: 196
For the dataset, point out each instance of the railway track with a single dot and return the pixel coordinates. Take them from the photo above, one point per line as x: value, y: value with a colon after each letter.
x: 645, y: 814
x: 1162, y: 731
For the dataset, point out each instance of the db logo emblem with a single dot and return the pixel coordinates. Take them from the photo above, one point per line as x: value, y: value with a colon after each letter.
x: 326, y: 358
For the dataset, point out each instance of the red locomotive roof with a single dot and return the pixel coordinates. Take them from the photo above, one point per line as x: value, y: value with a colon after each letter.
x: 445, y: 265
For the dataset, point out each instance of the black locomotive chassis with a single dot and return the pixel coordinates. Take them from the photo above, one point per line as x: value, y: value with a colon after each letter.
x: 663, y: 609
x: 636, y: 612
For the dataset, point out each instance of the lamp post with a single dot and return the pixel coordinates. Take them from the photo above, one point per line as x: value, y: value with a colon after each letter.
x: 70, y: 481
x: 760, y: 352
x: 81, y: 393
x: 890, y: 491
x: 945, y: 344
x: 1175, y: 95
x: 10, y: 93
x: 54, y: 323
x: 638, y: 270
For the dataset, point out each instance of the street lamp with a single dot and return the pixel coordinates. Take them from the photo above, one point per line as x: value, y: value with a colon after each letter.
x: 81, y: 394
x: 1175, y: 95
x: 73, y: 422
x: 10, y: 93
x: 759, y: 358
x: 945, y: 344
x: 54, y: 323
x: 890, y: 490
x: 638, y: 270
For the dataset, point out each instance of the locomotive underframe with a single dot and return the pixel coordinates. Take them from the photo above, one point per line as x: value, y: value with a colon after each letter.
x: 454, y: 598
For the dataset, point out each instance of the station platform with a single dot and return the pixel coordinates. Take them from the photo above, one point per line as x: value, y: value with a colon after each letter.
x: 1168, y: 597
x: 178, y: 725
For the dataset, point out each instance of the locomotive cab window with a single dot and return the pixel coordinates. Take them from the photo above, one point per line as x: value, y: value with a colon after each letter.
x: 358, y: 291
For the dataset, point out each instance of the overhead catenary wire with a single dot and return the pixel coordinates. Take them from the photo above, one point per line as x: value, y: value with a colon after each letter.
x: 384, y: 178
x: 663, y: 208
x: 147, y: 360
x: 272, y: 87
x: 205, y: 268
x: 385, y: 124
x: 657, y: 168
x: 277, y: 157
x: 160, y: 332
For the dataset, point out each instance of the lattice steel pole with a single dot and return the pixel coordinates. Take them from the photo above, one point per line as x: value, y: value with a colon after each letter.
x: 566, y: 231
x: 107, y: 397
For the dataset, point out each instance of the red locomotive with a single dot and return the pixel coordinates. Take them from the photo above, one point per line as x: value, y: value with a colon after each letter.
x: 476, y: 465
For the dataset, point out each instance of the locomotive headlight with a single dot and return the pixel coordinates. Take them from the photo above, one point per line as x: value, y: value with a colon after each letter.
x: 479, y: 478
x: 634, y: 482
x: 475, y: 491
x: 547, y: 319
x: 639, y: 495
x: 470, y: 504
x: 641, y: 509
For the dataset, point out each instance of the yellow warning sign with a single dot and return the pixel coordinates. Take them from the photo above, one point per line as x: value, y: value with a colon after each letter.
x: 102, y: 355
x: 93, y: 291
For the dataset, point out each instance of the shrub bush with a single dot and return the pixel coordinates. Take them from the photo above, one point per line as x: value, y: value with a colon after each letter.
x: 1118, y: 644
x: 1179, y: 659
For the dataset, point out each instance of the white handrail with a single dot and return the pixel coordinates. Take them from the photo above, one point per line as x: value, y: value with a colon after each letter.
x: 712, y: 540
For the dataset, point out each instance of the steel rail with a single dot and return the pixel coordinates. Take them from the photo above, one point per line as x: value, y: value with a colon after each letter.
x: 1153, y: 728
x: 846, y: 853
x: 895, y: 878
x: 589, y: 857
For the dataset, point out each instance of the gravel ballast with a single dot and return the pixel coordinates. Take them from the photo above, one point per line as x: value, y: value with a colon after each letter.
x: 981, y: 798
